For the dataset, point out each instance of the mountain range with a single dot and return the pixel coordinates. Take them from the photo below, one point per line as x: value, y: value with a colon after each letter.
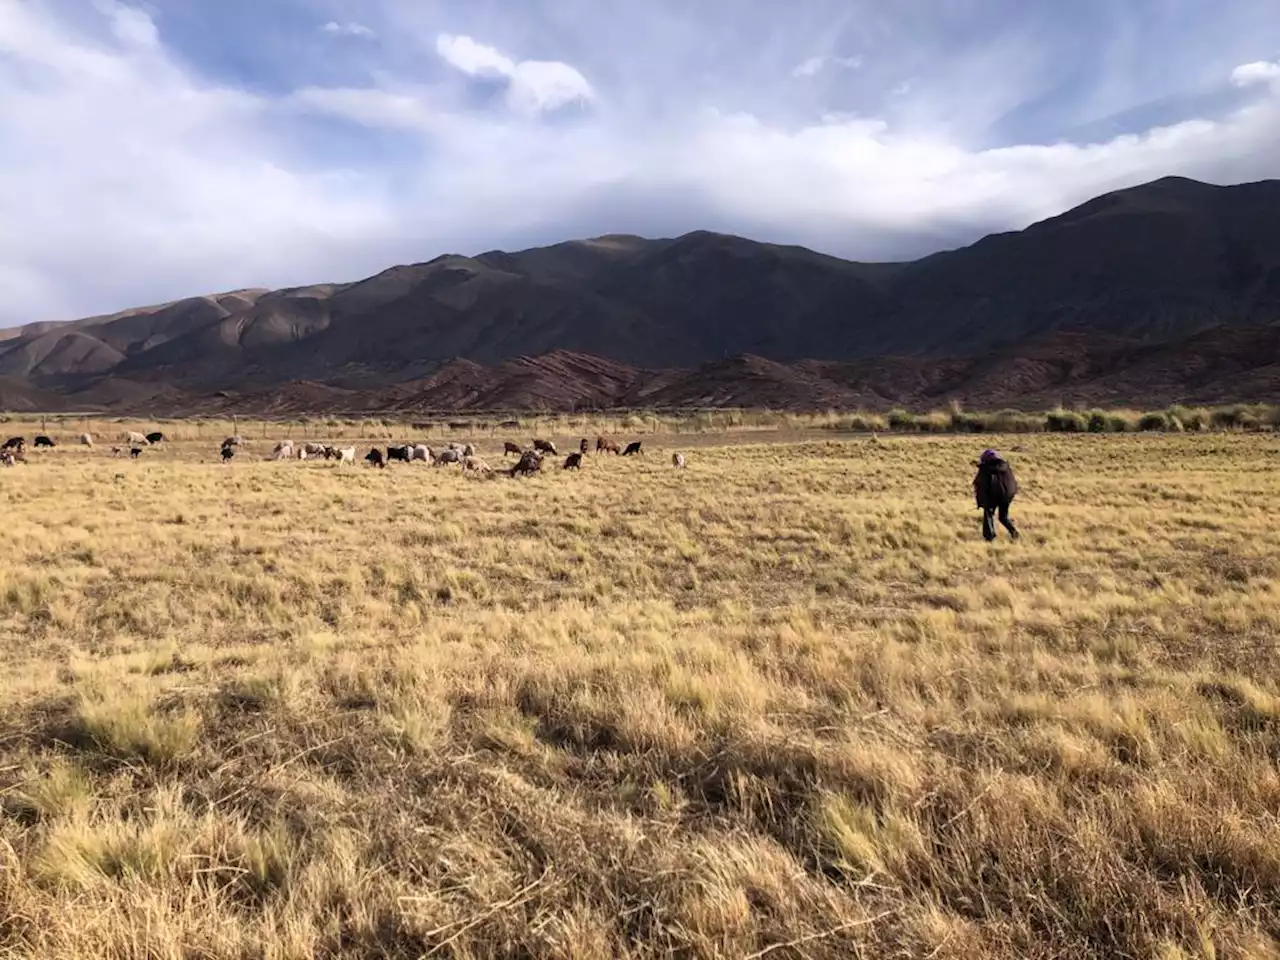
x: 1164, y: 292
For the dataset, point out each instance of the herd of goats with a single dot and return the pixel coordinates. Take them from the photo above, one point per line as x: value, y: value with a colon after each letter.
x: 529, y: 460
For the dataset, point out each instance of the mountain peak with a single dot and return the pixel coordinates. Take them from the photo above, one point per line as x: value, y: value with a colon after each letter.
x: 1153, y: 263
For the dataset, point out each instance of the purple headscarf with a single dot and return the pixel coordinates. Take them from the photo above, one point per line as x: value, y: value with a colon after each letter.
x: 989, y: 455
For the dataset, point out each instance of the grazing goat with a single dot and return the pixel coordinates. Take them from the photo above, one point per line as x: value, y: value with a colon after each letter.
x: 607, y: 445
x: 228, y: 453
x: 86, y: 440
x: 474, y: 464
x: 632, y: 447
x: 529, y: 463
x: 448, y: 456
x: 156, y: 437
x: 43, y: 441
x: 14, y: 443
x: 545, y: 446
x: 236, y: 441
x: 136, y: 439
x: 468, y: 451
x: 677, y: 461
x: 346, y: 455
x: 313, y: 449
x: 283, y: 450
x: 422, y: 452
x: 374, y: 458
x: 135, y: 453
x: 116, y: 451
x: 509, y: 447
x: 573, y: 461
x: 399, y: 453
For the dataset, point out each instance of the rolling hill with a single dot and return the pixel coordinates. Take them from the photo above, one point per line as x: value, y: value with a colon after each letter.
x: 1169, y: 289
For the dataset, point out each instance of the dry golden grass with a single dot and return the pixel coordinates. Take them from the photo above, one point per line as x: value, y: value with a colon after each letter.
x: 784, y: 703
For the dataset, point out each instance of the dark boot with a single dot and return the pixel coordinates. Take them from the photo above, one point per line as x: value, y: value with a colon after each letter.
x: 988, y: 525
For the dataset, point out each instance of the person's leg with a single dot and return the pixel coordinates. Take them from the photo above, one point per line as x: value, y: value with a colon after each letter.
x: 1006, y: 522
x: 988, y: 524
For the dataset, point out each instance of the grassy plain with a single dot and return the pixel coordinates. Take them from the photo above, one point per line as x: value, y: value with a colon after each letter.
x: 784, y: 703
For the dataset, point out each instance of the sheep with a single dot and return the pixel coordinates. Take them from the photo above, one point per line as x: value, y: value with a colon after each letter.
x: 135, y: 453
x: 228, y: 453
x: 156, y: 437
x: 448, y: 456
x: 14, y: 443
x: 398, y: 453
x: 454, y: 445
x: 474, y: 464
x: 606, y: 445
x: 468, y: 451
x: 314, y: 449
x: 509, y: 447
x: 43, y: 441
x: 134, y: 439
x: 677, y: 461
x: 529, y: 463
x: 545, y: 446
x: 346, y: 455
x: 421, y: 452
x: 632, y: 447
x: 86, y: 440
x: 301, y: 453
x: 283, y: 450
x: 573, y: 461
x: 374, y: 458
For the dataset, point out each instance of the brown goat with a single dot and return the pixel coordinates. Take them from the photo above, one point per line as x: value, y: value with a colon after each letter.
x: 607, y: 445
x: 509, y: 447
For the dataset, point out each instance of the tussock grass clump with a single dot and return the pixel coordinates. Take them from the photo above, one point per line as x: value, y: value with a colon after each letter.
x: 785, y: 702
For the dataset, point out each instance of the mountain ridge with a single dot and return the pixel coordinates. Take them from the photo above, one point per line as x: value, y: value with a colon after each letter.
x: 1157, y: 264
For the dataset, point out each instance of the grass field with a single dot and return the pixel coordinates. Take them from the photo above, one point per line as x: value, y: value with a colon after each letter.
x: 785, y: 703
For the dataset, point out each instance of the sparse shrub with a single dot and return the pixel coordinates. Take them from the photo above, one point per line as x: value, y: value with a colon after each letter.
x: 1226, y: 418
x: 901, y: 420
x: 934, y: 422
x: 1099, y: 422
x: 1190, y: 419
x: 131, y: 729
x: 1153, y: 422
x: 1065, y: 421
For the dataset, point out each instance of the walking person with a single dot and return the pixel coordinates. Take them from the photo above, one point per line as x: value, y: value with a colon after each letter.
x: 994, y: 488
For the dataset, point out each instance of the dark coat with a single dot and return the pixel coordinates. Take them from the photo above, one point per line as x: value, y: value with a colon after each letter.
x: 994, y: 486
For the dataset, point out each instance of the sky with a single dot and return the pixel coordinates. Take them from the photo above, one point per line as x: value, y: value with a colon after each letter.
x: 156, y: 149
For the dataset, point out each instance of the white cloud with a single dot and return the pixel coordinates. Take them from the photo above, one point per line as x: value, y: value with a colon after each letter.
x: 336, y: 29
x: 130, y: 24
x: 368, y: 106
x: 131, y: 178
x: 534, y: 86
x: 1252, y: 74
x: 809, y: 68
x: 815, y: 65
